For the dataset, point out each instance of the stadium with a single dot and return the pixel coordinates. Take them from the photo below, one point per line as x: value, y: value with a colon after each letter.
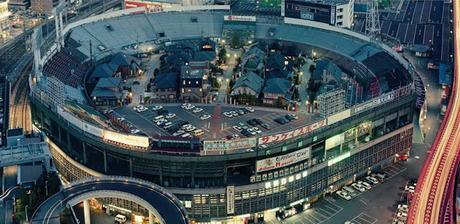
x: 89, y: 109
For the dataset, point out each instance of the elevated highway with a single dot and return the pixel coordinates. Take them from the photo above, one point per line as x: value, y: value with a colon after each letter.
x: 161, y: 204
x: 433, y: 201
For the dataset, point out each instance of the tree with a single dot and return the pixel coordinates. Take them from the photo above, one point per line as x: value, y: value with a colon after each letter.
x: 235, y: 40
x: 222, y: 56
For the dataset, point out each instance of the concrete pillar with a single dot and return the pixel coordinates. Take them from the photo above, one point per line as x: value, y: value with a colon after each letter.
x: 86, y: 212
x: 151, y: 217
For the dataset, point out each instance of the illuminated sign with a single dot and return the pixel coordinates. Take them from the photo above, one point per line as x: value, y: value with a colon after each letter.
x: 240, y: 18
x: 226, y: 145
x: 338, y: 159
x: 283, y: 160
x: 292, y: 134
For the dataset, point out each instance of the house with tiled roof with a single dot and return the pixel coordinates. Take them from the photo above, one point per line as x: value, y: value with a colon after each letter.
x: 250, y: 84
x: 276, y: 88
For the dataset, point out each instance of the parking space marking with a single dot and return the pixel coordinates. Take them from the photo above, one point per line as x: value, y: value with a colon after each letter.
x: 364, y: 218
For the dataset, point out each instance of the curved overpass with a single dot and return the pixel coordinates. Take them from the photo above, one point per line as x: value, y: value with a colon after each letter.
x: 433, y: 200
x: 162, y: 204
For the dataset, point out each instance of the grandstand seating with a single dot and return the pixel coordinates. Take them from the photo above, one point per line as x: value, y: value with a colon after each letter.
x: 66, y: 68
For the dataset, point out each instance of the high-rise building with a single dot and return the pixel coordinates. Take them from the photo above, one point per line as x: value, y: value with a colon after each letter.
x: 334, y: 12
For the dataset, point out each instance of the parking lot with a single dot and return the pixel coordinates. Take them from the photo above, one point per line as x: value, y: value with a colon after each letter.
x: 368, y: 207
x: 218, y: 125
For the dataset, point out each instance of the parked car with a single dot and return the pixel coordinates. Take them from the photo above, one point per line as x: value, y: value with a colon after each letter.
x: 344, y: 195
x: 205, y: 116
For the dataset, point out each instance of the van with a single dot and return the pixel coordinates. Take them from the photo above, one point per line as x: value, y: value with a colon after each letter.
x: 120, y: 218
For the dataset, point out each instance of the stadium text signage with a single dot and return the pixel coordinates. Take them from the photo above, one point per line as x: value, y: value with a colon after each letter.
x: 240, y: 18
x: 406, y: 90
x: 282, y: 161
x: 292, y: 134
x: 226, y: 145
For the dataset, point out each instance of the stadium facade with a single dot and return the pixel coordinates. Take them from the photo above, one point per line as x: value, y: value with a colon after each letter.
x: 296, y: 166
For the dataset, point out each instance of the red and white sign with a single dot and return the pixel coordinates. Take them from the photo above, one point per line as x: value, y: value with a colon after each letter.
x: 282, y: 161
x: 149, y: 6
x: 292, y: 134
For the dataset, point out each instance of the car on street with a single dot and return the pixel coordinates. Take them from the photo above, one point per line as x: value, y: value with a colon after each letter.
x: 249, y: 109
x: 228, y: 114
x: 266, y: 126
x: 365, y: 185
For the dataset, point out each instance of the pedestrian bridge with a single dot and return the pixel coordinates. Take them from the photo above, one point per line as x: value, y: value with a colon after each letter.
x: 161, y: 204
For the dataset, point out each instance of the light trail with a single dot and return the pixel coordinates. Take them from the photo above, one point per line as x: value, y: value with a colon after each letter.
x: 432, y: 200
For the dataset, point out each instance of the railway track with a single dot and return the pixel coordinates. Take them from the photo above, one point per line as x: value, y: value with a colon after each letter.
x: 20, y: 116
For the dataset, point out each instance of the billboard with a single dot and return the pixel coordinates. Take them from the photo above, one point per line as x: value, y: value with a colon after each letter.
x: 132, y: 140
x: 240, y: 18
x: 283, y: 160
x: 149, y: 6
x: 292, y: 134
x: 228, y: 145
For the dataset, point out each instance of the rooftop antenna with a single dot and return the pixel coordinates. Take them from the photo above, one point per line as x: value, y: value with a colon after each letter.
x: 372, y: 19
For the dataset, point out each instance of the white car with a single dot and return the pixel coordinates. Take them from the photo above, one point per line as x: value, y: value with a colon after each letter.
x: 228, y: 114
x: 372, y: 180
x: 358, y: 187
x: 135, y: 131
x: 365, y: 185
x: 197, y: 110
x: 205, y: 116
x: 343, y: 195
x: 234, y: 113
x: 250, y: 109
x: 170, y: 115
x: 158, y: 107
x: 185, y: 135
x: 237, y: 128
x: 411, y: 189
x: 256, y: 130
x: 401, y: 215
x: 403, y: 208
x: 178, y: 132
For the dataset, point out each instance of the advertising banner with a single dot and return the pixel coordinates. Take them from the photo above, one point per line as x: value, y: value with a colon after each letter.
x: 292, y: 134
x: 283, y: 160
x: 226, y: 145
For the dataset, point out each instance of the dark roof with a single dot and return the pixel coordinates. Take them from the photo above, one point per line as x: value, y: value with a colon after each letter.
x: 204, y: 56
x: 277, y: 86
x: 121, y: 59
x: 276, y: 73
x: 275, y: 61
x: 66, y: 68
x: 323, y: 64
x: 250, y: 80
x: 104, y: 70
x: 166, y: 81
x: 110, y: 82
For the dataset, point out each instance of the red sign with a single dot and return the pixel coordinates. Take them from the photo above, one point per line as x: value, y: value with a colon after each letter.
x: 291, y: 134
x: 149, y: 6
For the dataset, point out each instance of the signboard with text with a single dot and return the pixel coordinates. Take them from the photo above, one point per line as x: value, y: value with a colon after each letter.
x: 228, y: 145
x: 292, y: 134
x: 283, y: 160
